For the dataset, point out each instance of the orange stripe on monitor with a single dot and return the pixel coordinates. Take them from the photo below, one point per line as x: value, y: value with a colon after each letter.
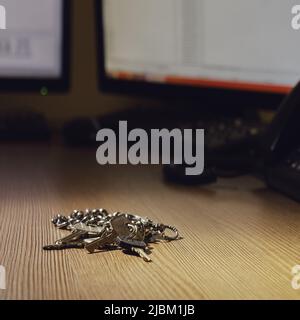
x: 196, y: 82
x: 228, y: 84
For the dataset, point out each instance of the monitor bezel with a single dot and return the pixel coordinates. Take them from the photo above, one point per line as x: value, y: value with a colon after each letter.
x: 60, y: 84
x: 207, y: 95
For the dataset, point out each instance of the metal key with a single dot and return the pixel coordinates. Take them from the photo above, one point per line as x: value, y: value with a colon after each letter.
x: 74, y: 236
x: 62, y: 246
x: 119, y: 227
x: 141, y: 253
x: 81, y: 230
x: 135, y: 246
x: 120, y: 224
x: 108, y: 237
x: 91, y: 230
x: 127, y: 243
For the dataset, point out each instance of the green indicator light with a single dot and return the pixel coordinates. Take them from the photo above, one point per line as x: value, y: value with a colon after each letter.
x: 44, y: 91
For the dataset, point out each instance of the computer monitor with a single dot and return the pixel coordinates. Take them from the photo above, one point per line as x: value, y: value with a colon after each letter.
x: 35, y: 46
x: 243, y: 51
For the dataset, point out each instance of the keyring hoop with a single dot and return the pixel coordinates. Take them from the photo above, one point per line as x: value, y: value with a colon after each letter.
x: 170, y: 238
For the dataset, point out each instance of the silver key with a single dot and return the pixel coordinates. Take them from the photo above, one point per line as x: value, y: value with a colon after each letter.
x: 91, y: 230
x: 63, y: 246
x: 76, y: 235
x: 80, y: 230
x: 135, y: 246
x: 108, y: 237
x: 119, y: 227
x: 141, y: 253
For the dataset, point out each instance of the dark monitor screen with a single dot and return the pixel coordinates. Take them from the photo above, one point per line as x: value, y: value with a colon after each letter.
x: 225, y: 47
x: 34, y: 46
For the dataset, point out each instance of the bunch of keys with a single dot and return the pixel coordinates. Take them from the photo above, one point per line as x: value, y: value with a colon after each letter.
x: 98, y: 230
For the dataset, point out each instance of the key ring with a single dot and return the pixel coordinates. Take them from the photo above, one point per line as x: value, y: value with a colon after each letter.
x: 173, y: 229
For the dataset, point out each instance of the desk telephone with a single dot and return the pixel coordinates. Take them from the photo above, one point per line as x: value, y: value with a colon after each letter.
x: 276, y: 155
x: 282, y: 147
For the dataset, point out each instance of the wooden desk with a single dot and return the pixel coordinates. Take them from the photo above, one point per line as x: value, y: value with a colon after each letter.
x: 240, y: 240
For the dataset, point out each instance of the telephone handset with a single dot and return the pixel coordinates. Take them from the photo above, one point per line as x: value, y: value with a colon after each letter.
x: 282, y: 147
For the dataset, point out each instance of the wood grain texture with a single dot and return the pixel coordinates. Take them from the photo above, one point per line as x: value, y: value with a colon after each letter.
x: 240, y: 240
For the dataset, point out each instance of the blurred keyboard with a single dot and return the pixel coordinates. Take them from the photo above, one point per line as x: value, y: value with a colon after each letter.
x: 23, y: 126
x: 229, y: 133
x: 221, y: 133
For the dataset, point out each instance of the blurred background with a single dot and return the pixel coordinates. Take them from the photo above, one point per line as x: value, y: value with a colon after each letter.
x: 181, y: 65
x: 84, y: 97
